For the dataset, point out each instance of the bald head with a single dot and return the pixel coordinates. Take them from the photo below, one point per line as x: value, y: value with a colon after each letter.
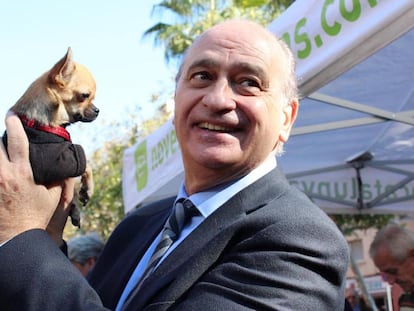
x: 257, y: 39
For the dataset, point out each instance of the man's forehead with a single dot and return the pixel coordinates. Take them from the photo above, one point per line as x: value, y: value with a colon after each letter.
x: 213, y: 54
x: 237, y: 36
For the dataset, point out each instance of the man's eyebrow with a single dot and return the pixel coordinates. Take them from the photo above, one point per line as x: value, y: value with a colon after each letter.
x: 245, y: 67
x: 205, y: 62
x: 252, y: 68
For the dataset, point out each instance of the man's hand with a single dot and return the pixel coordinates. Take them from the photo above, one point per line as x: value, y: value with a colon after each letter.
x: 24, y: 205
x: 58, y: 221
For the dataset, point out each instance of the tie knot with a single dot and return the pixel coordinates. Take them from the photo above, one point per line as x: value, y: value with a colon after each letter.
x: 189, y: 209
x: 182, y: 212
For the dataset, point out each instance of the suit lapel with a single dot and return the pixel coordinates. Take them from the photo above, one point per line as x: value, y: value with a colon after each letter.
x: 201, y: 249
x: 125, y: 248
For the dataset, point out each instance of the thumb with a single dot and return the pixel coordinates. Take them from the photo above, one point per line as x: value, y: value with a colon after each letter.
x: 18, y: 144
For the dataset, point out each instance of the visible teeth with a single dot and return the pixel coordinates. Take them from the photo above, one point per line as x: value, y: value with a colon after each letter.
x: 213, y: 127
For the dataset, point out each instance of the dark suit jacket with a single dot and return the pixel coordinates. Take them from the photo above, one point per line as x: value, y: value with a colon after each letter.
x: 267, y: 248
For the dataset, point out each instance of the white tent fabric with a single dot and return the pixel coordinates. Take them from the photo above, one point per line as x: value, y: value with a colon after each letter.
x: 364, y: 111
x: 334, y: 128
x: 353, y: 143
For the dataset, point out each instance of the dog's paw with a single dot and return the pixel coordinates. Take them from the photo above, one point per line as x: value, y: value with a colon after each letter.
x: 75, y: 215
x: 84, y: 195
x: 87, y: 186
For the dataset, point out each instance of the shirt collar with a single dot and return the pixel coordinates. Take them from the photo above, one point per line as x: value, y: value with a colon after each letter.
x: 208, y: 201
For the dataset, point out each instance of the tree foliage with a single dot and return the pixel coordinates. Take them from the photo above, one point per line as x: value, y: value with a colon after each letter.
x: 189, y: 18
x: 351, y: 223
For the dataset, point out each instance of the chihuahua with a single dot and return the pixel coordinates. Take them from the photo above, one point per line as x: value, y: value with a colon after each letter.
x: 58, y: 98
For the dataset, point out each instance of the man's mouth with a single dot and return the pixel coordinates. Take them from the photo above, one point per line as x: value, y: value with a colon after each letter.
x: 213, y: 127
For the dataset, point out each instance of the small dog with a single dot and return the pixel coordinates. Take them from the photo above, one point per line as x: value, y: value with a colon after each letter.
x: 58, y: 98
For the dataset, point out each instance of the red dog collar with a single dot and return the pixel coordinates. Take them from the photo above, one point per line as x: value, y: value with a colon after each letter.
x: 58, y: 130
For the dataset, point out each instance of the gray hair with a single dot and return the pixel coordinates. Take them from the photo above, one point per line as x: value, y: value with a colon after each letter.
x: 290, y: 87
x: 83, y: 247
x: 397, y: 240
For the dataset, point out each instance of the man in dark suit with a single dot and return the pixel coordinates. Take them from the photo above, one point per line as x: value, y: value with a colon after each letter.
x: 254, y: 242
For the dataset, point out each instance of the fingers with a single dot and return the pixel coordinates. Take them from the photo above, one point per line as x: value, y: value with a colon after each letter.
x: 68, y: 190
x: 55, y: 192
x: 58, y: 221
x: 62, y: 191
x: 17, y: 142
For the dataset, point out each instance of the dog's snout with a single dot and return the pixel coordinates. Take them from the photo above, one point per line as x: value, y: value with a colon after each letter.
x: 88, y: 115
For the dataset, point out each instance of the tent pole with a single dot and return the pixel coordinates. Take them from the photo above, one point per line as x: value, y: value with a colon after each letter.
x: 367, y: 296
x: 360, y: 199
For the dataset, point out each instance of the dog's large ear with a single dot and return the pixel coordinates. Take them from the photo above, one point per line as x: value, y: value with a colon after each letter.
x: 61, y: 73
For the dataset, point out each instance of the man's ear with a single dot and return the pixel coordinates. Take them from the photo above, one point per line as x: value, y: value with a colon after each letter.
x: 289, y: 113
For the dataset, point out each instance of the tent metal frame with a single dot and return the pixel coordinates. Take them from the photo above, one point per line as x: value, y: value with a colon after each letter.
x: 375, y: 116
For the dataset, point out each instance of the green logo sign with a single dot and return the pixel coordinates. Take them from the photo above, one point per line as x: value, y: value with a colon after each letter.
x: 305, y: 43
x: 164, y: 150
x: 141, y: 165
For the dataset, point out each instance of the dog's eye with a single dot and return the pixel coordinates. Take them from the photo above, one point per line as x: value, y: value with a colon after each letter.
x: 83, y: 96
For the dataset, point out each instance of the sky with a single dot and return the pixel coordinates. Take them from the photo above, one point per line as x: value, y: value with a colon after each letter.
x: 105, y: 36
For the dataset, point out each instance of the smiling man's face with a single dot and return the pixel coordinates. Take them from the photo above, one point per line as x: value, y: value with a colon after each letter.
x: 230, y: 108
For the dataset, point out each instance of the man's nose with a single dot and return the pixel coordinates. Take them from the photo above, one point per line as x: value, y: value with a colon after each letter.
x: 220, y: 96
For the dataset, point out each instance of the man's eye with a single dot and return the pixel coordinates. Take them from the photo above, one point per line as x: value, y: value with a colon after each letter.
x: 201, y: 76
x: 250, y: 83
x: 200, y: 79
x: 248, y: 86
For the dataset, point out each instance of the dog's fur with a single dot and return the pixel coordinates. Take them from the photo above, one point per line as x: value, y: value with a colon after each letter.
x: 58, y: 98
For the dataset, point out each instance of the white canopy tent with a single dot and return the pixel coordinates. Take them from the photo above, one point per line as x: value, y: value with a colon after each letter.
x: 352, y: 146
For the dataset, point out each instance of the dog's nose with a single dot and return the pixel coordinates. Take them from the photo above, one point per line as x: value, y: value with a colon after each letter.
x: 93, y: 109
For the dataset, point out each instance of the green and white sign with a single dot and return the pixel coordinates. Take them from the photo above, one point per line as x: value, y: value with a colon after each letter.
x: 150, y: 164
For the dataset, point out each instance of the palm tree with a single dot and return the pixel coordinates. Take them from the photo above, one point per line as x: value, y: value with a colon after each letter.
x: 189, y: 18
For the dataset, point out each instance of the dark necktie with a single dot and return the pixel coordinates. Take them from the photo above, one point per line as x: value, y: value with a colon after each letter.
x: 181, y: 214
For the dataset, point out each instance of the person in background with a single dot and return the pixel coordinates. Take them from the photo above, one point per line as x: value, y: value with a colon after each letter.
x: 392, y: 251
x: 251, y: 241
x: 352, y: 297
x: 84, y: 250
x: 347, y: 306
